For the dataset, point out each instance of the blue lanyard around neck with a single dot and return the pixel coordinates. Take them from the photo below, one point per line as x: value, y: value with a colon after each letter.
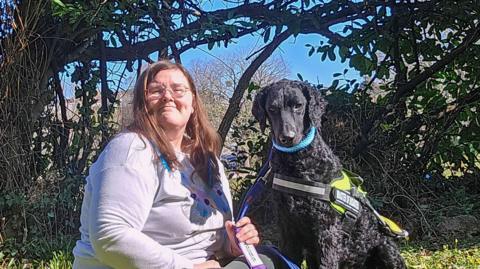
x: 167, y: 167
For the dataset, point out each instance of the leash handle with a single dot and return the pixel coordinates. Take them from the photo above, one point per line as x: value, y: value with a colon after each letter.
x: 250, y: 254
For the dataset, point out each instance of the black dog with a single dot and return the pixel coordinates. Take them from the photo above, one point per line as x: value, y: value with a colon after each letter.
x: 310, y: 227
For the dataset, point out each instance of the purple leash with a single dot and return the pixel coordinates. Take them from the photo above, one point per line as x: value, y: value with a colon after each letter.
x: 252, y: 194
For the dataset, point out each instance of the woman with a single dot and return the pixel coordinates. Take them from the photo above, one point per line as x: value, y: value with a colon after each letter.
x: 157, y: 197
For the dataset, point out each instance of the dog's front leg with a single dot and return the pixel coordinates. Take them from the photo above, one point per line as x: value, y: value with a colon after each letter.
x: 386, y: 256
x: 312, y: 260
x: 330, y: 249
x: 290, y: 245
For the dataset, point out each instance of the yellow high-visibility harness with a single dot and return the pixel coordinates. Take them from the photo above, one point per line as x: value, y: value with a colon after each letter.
x: 345, y: 195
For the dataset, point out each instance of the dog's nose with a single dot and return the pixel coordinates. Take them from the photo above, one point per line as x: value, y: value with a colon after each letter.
x: 287, y: 138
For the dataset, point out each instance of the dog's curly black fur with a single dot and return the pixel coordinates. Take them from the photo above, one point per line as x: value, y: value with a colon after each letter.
x: 311, y: 228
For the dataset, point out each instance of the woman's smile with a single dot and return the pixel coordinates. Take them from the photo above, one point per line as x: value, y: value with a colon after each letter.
x: 168, y: 107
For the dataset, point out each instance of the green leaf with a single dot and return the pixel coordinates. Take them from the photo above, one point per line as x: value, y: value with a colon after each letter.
x: 343, y: 53
x: 278, y: 29
x: 78, y: 92
x: 337, y: 75
x: 382, y: 11
x: 312, y: 50
x: 266, y: 35
x: 113, y: 41
x: 211, y: 44
x: 299, y: 76
x: 252, y: 87
x: 250, y: 144
x: 233, y: 30
x: 245, y: 24
x: 383, y: 72
x: 324, y: 56
x: 331, y: 54
x: 357, y: 62
x: 58, y: 3
x: 294, y: 26
x: 347, y: 28
x: 335, y: 83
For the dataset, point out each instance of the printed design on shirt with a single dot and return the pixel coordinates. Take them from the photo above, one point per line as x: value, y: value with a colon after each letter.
x: 205, y: 199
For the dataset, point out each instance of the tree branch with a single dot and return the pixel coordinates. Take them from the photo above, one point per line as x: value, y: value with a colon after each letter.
x: 103, y: 76
x: 253, y: 11
x: 432, y: 142
x: 234, y: 105
x: 471, y: 37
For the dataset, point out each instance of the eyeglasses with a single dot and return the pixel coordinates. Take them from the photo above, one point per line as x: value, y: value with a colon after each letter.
x: 157, y: 92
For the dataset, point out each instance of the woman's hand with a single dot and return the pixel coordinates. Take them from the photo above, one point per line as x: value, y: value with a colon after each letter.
x: 246, y: 233
x: 207, y: 265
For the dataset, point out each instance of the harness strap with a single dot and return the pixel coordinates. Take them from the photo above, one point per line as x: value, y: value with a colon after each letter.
x: 344, y: 194
x: 341, y: 200
x: 305, y: 188
x: 389, y: 226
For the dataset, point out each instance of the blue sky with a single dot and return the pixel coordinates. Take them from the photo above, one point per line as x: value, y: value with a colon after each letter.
x: 293, y: 51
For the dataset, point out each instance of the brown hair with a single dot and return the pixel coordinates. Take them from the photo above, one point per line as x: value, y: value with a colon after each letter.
x: 203, y: 142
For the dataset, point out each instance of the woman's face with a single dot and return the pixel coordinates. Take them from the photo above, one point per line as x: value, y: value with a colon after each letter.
x: 169, y: 92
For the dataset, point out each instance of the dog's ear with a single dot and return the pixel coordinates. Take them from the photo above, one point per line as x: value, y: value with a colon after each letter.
x: 258, y: 108
x: 316, y: 104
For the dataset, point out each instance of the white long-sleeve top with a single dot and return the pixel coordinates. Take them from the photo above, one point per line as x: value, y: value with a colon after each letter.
x: 138, y: 214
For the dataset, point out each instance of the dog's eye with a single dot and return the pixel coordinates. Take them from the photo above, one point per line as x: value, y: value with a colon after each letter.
x: 297, y: 106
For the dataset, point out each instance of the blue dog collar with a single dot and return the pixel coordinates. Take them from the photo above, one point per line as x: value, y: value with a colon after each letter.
x: 306, y: 141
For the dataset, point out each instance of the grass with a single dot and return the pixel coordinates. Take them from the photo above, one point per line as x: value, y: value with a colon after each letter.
x: 443, y: 259
x: 446, y: 258
x: 416, y: 258
x: 59, y: 260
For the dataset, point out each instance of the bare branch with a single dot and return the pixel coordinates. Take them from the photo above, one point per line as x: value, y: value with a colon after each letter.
x: 244, y: 81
